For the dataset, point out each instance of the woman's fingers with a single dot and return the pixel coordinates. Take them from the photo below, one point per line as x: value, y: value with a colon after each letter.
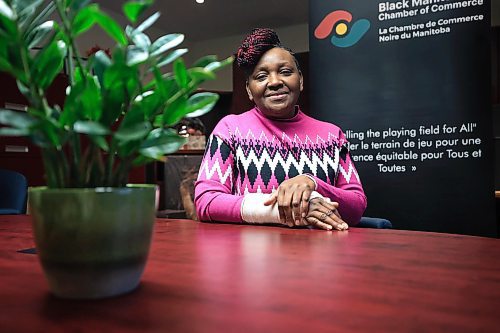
x: 298, y: 200
x: 327, y: 213
x: 317, y: 223
x: 304, y: 207
x: 288, y: 207
x: 284, y: 207
x: 272, y: 199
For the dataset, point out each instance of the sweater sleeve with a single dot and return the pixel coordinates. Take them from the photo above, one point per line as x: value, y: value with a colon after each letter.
x: 347, y: 189
x: 214, y: 198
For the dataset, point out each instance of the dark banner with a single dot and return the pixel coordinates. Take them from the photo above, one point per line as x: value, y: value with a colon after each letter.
x: 408, y: 82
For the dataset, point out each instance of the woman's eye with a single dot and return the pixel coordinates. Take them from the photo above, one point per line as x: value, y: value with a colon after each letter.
x: 260, y: 77
x: 286, y: 72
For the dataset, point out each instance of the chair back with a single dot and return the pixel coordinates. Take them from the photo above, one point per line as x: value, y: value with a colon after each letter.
x: 374, y: 222
x: 13, y: 192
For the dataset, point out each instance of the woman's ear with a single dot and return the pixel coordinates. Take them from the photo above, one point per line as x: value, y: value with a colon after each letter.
x: 301, y: 81
x: 250, y: 97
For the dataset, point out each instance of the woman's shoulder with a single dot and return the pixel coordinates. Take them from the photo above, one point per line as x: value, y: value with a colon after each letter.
x: 331, y: 127
x: 230, y: 122
x: 327, y: 130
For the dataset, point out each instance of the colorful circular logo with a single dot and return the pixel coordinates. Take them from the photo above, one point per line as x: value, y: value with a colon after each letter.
x: 343, y: 36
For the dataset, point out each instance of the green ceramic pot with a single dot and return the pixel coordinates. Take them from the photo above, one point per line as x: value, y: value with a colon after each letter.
x: 93, y: 242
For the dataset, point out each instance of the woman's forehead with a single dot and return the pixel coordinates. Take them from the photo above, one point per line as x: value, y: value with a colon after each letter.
x: 275, y: 57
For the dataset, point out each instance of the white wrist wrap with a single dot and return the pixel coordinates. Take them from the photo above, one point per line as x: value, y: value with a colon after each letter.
x: 254, y: 211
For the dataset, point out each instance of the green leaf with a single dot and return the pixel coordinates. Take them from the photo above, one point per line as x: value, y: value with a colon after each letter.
x: 7, y: 26
x: 169, y: 143
x: 40, y: 33
x: 26, y: 7
x: 201, y: 103
x: 112, y: 28
x: 48, y: 63
x: 16, y: 119
x: 158, y: 121
x: 161, y: 89
x: 160, y: 136
x: 149, y: 102
x: 129, y: 31
x: 175, y: 111
x: 201, y: 74
x: 171, y: 57
x: 127, y: 148
x: 91, y: 99
x: 181, y: 75
x: 90, y: 128
x: 25, y: 12
x: 216, y: 65
x: 166, y: 43
x: 136, y: 55
x: 148, y: 22
x: 77, y: 5
x: 100, y: 141
x: 134, y: 9
x: 119, y: 75
x: 43, y: 16
x: 9, y: 131
x: 73, y: 104
x: 23, y: 88
x: 134, y: 116
x: 6, y: 11
x: 203, y: 61
x: 84, y: 19
x: 141, y: 160
x: 12, y: 60
x: 120, y: 83
x: 135, y: 132
x: 48, y: 129
x: 100, y: 63
x: 141, y: 40
x: 4, y: 65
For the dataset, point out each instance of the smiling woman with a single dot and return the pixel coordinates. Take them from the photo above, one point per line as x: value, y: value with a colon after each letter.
x: 273, y: 163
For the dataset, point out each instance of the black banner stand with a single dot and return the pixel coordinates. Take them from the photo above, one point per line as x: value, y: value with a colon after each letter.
x: 408, y: 82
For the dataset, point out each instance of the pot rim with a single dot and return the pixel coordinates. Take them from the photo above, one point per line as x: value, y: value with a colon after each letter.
x: 100, y: 189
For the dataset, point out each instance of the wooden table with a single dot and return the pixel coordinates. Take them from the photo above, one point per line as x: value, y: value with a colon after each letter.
x: 224, y: 278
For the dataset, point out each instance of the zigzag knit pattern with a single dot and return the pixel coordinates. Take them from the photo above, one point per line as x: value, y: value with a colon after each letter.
x: 260, y: 165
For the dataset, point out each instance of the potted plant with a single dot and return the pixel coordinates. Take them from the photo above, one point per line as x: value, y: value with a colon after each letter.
x: 92, y: 230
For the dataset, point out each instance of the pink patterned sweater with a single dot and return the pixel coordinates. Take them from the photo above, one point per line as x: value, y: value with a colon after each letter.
x: 250, y: 153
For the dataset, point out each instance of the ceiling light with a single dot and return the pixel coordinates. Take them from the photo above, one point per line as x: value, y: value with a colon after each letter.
x: 200, y: 1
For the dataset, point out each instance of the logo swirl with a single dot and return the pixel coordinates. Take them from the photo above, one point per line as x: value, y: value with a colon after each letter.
x: 338, y: 21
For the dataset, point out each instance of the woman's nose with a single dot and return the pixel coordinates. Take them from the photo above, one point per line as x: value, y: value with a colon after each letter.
x: 274, y: 80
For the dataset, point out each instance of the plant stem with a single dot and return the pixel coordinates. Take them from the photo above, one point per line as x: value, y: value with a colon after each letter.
x: 73, y: 50
x: 49, y: 169
x: 108, y: 172
x: 75, y: 161
x: 123, y: 171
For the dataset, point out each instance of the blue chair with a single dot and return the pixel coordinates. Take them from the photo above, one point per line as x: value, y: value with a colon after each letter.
x: 13, y: 192
x: 374, y: 222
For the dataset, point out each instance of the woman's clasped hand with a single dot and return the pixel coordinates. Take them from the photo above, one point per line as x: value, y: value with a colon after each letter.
x: 296, y: 207
x: 324, y: 214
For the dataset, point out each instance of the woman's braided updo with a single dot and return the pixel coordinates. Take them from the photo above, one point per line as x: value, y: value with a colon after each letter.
x: 255, y: 45
x: 258, y: 42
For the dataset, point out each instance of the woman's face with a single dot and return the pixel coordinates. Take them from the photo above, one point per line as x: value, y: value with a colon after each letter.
x: 275, y: 84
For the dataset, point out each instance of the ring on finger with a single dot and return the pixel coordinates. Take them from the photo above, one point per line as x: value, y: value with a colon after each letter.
x: 330, y: 212
x: 323, y: 216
